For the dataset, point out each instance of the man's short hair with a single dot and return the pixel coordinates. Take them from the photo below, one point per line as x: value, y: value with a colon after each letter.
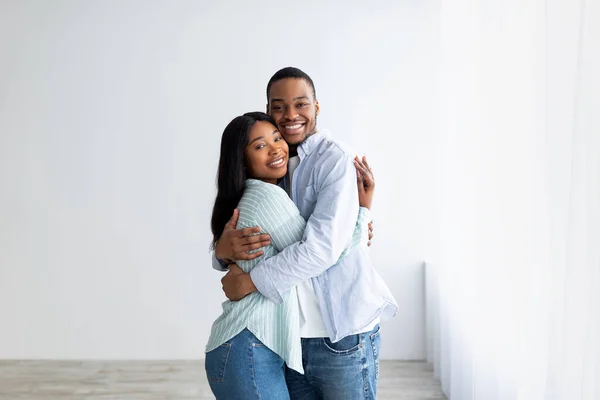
x: 290, y: 72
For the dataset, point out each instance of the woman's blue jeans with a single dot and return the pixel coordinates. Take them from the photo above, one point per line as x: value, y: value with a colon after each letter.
x: 244, y: 368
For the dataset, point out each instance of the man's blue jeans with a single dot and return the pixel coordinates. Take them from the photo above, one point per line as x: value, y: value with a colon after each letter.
x: 346, y: 370
x: 244, y: 368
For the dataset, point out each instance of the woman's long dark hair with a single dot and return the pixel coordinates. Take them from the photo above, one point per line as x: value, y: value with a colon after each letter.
x: 232, y: 173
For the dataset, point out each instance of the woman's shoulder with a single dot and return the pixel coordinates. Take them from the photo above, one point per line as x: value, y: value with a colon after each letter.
x: 260, y: 189
x: 261, y: 198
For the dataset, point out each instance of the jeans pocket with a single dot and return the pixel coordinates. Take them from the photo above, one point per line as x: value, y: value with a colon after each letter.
x: 375, y: 338
x: 348, y: 345
x: 216, y: 362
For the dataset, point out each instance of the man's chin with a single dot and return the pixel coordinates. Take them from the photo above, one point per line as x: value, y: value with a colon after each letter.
x: 295, y: 138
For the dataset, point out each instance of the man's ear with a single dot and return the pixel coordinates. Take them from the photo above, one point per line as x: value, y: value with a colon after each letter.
x: 317, y: 107
x: 267, y: 108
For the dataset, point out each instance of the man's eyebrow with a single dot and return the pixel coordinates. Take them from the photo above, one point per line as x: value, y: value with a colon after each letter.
x: 294, y: 99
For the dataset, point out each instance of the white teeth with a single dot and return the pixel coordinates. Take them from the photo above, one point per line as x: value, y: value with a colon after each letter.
x: 277, y: 162
x: 293, y: 126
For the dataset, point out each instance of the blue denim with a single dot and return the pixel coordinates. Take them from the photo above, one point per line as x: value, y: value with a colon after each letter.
x: 345, y: 370
x: 244, y: 368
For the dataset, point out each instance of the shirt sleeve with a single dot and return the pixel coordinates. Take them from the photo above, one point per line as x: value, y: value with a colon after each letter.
x: 360, y: 235
x: 218, y: 264
x: 278, y: 216
x: 328, y: 232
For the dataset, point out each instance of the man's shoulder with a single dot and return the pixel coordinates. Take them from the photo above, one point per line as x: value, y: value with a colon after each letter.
x: 331, y: 147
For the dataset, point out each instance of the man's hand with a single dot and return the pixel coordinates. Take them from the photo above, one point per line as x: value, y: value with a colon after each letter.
x: 234, y: 244
x: 237, y: 284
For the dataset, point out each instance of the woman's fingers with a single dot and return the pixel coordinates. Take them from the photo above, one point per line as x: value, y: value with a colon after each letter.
x: 359, y: 182
x: 363, y: 167
x: 364, y: 160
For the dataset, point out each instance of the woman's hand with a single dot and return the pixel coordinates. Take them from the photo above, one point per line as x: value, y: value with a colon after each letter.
x: 365, y: 181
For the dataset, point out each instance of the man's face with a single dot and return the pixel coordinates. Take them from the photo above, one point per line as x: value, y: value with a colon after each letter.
x: 294, y: 109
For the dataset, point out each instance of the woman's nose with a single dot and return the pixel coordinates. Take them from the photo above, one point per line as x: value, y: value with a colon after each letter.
x: 275, y: 148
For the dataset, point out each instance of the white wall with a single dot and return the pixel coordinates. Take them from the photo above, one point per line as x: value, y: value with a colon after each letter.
x: 111, y: 114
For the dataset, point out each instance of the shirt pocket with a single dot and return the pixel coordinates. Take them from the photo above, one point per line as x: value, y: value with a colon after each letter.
x: 307, y: 199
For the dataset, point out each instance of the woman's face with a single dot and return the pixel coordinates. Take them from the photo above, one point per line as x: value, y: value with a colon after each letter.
x: 266, y: 153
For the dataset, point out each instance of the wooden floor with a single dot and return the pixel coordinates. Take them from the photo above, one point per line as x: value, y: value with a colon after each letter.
x: 175, y: 380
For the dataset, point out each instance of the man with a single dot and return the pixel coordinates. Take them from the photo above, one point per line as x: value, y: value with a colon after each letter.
x: 341, y: 303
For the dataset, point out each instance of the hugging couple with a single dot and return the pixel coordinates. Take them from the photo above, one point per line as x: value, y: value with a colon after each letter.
x: 291, y: 225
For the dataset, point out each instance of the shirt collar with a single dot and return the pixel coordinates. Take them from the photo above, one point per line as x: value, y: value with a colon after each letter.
x: 313, y: 141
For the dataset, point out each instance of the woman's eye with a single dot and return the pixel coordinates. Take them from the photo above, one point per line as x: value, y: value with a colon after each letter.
x: 260, y: 146
x: 277, y: 139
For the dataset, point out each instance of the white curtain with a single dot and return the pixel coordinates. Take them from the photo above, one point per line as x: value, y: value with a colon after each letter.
x: 513, y: 295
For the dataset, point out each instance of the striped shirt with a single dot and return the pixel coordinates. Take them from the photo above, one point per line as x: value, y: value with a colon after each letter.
x: 275, y: 325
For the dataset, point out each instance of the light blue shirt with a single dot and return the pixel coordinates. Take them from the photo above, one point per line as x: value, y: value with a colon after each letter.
x: 275, y: 325
x: 351, y: 294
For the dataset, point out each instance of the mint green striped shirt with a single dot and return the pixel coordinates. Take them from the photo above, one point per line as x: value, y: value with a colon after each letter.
x: 275, y: 325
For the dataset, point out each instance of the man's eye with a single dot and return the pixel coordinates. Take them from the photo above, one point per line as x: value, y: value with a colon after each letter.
x: 302, y: 104
x: 276, y: 108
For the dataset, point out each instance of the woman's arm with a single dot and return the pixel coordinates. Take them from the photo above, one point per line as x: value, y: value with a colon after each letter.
x: 365, y: 181
x: 366, y: 187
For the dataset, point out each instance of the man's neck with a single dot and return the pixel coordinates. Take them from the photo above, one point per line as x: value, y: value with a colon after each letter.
x: 294, y: 147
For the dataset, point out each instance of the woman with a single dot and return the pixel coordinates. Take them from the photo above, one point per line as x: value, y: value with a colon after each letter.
x: 254, y: 338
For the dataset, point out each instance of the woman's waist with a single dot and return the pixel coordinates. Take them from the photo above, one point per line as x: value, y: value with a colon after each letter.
x: 257, y: 304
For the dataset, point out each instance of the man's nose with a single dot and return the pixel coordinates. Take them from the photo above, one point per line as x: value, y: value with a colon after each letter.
x: 290, y: 113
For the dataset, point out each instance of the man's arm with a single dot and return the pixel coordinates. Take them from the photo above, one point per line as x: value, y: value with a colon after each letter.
x: 236, y: 244
x: 328, y: 232
x: 238, y: 284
